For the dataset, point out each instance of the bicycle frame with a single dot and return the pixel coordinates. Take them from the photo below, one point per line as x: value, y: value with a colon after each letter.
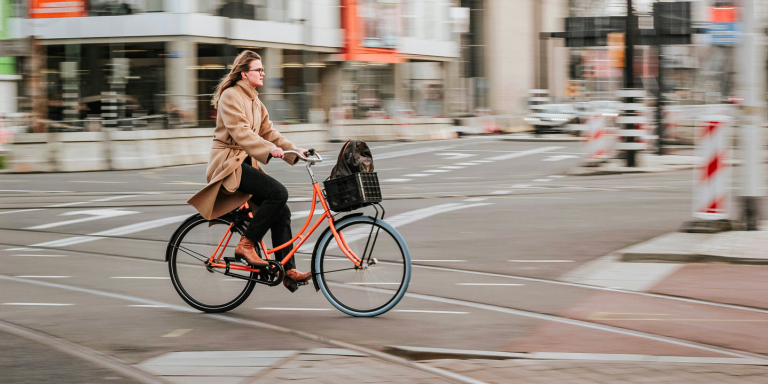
x: 317, y: 194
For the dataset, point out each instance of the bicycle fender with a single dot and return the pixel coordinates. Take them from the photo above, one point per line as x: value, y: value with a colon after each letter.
x: 176, y: 234
x: 317, y: 243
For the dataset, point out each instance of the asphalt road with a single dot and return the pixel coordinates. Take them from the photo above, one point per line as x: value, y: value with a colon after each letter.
x: 491, y: 225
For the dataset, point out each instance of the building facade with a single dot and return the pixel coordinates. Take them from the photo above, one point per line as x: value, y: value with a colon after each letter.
x: 154, y: 57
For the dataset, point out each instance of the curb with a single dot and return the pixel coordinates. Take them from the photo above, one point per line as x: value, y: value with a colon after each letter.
x: 587, y: 171
x: 672, y: 257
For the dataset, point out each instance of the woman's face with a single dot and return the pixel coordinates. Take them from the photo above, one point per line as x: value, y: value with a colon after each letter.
x: 255, y: 75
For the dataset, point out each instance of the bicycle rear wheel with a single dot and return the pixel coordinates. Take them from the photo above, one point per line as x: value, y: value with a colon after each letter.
x: 382, y: 281
x: 203, y: 288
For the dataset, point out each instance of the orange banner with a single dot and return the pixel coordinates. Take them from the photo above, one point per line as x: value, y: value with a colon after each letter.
x: 43, y: 9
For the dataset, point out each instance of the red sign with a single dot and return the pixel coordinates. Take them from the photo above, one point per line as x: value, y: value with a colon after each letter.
x: 43, y: 9
x: 358, y: 36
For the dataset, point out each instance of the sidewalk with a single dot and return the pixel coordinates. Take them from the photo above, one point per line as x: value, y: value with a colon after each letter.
x: 733, y: 247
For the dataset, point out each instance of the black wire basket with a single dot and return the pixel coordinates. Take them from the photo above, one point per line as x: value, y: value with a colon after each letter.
x: 351, y: 192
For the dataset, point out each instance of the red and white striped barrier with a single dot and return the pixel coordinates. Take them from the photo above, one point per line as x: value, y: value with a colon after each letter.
x: 487, y: 123
x: 711, y: 193
x: 600, y: 139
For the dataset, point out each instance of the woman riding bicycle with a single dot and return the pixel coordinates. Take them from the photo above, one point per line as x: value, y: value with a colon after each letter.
x: 243, y: 137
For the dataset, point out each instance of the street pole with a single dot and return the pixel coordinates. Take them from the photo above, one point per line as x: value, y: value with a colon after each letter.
x: 629, y: 77
x: 753, y: 83
x: 659, y: 83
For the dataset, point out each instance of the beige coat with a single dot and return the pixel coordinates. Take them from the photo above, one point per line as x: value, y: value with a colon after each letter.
x: 242, y: 129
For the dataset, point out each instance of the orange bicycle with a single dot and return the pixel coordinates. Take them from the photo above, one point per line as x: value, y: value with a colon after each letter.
x: 360, y: 263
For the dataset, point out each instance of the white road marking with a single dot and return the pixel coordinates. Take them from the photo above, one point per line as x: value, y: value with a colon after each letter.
x: 493, y: 284
x: 66, y: 204
x: 396, y: 180
x: 20, y: 210
x: 177, y: 333
x: 148, y: 306
x: 20, y: 249
x: 523, y: 153
x: 297, y: 199
x: 115, y: 198
x: 26, y: 255
x: 540, y: 261
x: 95, y: 214
x: 501, y: 192
x: 452, y: 167
x: 98, y: 182
x: 26, y: 190
x: 483, y: 161
x: 542, y: 180
x: 487, y: 307
x: 560, y: 157
x: 466, y: 164
x: 476, y: 199
x: 40, y: 304
x: 292, y: 309
x: 437, y: 170
x: 300, y: 214
x: 520, y: 186
x: 391, y: 155
x: 417, y: 175
x: 556, y: 176
x: 440, y: 261
x: 119, y: 231
x: 140, y: 277
x: 425, y: 311
x: 374, y: 283
x: 454, y: 156
x: 42, y: 277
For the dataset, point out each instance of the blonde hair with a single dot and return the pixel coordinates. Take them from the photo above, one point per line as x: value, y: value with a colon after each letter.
x: 242, y: 64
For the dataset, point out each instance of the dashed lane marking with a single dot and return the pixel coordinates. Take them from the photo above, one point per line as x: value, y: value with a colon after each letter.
x: 433, y: 312
x: 437, y: 170
x: 452, y: 167
x: 19, y: 249
x: 66, y: 204
x: 291, y: 309
x: 27, y: 255
x: 177, y: 333
x: 556, y: 176
x: 501, y: 192
x: 524, y: 153
x: 466, y: 164
x: 42, y: 277
x: 476, y: 199
x: 418, y: 175
x: 114, y: 198
x: 40, y: 304
x: 542, y: 180
x: 560, y: 157
x: 396, y: 180
x: 148, y: 306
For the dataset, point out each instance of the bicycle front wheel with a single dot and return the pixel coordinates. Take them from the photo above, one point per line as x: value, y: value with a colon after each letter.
x: 205, y: 289
x: 380, y: 283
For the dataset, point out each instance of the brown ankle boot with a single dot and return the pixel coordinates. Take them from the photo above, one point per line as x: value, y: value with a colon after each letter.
x: 247, y: 250
x: 293, y: 279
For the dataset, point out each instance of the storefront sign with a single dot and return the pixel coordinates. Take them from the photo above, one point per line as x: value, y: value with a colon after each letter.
x: 41, y: 9
x: 381, y: 22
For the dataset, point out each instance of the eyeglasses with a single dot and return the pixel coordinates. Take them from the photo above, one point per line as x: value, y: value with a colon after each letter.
x: 260, y: 70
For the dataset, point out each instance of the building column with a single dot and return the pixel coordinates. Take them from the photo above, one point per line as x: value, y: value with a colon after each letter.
x: 181, y: 78
x: 273, y: 65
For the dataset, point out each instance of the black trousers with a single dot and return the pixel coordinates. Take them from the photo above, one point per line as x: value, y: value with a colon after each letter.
x: 273, y: 214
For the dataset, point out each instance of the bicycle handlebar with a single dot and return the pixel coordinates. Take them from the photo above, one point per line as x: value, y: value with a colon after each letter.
x: 317, y: 158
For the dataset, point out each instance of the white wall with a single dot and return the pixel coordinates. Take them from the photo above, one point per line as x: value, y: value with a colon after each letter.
x: 9, y: 93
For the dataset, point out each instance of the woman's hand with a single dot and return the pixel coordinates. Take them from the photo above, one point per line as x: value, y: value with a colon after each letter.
x: 276, y: 153
x: 302, y: 151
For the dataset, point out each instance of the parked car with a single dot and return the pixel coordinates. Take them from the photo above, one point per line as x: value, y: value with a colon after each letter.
x: 552, y: 118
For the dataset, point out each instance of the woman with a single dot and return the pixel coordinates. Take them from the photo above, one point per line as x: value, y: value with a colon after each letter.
x: 244, y: 137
